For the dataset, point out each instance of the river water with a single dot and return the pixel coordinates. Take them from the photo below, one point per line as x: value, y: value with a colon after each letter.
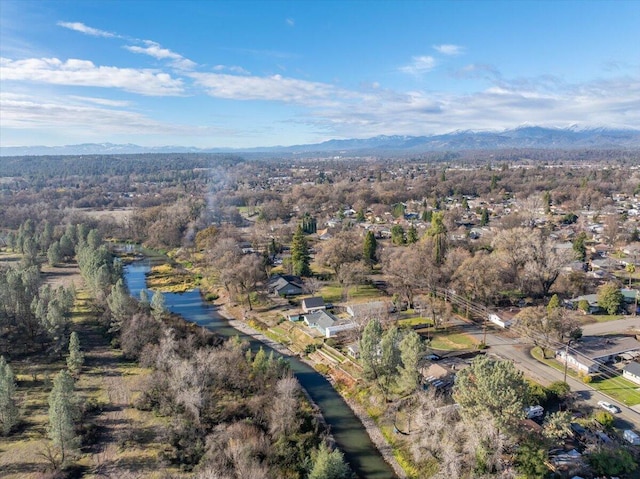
x: 346, y: 428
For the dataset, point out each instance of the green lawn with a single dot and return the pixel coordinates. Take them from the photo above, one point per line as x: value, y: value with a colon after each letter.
x: 619, y: 388
x: 414, y: 321
x: 452, y: 341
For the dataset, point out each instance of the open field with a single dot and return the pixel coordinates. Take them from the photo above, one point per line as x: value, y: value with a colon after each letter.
x: 118, y: 215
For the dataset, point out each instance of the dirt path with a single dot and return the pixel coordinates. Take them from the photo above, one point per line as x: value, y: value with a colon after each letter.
x: 122, y: 433
x: 104, y: 364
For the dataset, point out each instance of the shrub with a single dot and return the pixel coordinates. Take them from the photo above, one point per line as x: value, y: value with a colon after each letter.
x: 586, y: 378
x: 605, y: 418
x: 583, y: 305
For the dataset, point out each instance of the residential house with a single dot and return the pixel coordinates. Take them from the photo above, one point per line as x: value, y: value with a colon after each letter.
x: 629, y: 296
x: 587, y: 354
x: 353, y: 350
x: 632, y: 372
x: 314, y: 303
x: 370, y: 310
x: 328, y: 324
x: 285, y: 285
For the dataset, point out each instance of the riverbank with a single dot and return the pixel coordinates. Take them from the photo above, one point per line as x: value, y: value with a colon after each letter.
x: 386, y: 451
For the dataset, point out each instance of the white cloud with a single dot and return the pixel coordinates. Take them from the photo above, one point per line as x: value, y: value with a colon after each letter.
x: 419, y: 65
x: 273, y: 88
x: 82, y: 28
x: 231, y: 68
x: 100, y: 101
x: 155, y: 50
x: 24, y: 112
x: 615, y: 103
x: 448, y: 49
x: 84, y: 73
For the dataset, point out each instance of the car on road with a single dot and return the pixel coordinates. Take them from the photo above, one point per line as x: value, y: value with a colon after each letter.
x: 609, y: 407
x: 432, y: 357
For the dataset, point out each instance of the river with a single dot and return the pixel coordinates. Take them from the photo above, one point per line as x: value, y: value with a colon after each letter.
x: 346, y: 428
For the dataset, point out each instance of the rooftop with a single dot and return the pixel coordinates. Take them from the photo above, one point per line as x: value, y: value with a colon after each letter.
x: 594, y: 347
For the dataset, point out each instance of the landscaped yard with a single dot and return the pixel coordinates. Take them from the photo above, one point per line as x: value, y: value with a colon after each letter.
x: 619, y: 388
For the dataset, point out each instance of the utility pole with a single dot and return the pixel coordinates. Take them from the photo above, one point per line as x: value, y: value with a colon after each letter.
x: 566, y: 356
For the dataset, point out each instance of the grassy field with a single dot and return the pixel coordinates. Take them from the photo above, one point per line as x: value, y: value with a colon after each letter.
x: 451, y: 340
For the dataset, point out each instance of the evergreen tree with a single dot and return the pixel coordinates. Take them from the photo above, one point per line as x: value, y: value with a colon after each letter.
x: 412, y: 235
x: 438, y: 231
x: 410, y: 353
x: 484, y: 217
x: 120, y: 306
x: 546, y: 202
x: 8, y: 409
x: 67, y: 247
x: 54, y: 255
x: 390, y: 359
x: 370, y: 348
x: 56, y: 324
x: 75, y: 360
x: 63, y: 412
x: 610, y: 297
x: 144, y: 300
x: 397, y: 235
x: 579, y: 246
x: 493, y: 388
x: 369, y: 248
x: 158, y: 308
x: 46, y: 237
x: 260, y: 362
x: 300, y: 256
x: 329, y: 465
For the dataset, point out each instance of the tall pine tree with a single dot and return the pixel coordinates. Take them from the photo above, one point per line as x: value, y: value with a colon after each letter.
x: 8, y: 409
x: 75, y: 360
x: 369, y: 248
x: 63, y: 412
x: 300, y: 257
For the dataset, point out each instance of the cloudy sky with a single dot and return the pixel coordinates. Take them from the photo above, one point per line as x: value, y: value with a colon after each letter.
x: 262, y: 73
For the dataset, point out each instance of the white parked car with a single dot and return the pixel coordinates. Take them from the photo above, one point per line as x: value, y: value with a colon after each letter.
x: 609, y: 407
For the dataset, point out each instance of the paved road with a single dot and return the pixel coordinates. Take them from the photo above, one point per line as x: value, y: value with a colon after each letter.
x: 618, y: 326
x: 517, y: 350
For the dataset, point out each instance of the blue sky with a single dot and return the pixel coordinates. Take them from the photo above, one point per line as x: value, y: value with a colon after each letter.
x: 262, y: 73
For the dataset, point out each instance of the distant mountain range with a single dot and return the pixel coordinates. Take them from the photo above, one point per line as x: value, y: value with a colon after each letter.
x: 518, y: 138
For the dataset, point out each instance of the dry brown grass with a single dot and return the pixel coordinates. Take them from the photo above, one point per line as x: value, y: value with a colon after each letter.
x: 127, y: 441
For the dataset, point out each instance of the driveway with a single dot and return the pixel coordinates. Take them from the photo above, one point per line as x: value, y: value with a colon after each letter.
x: 617, y: 326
